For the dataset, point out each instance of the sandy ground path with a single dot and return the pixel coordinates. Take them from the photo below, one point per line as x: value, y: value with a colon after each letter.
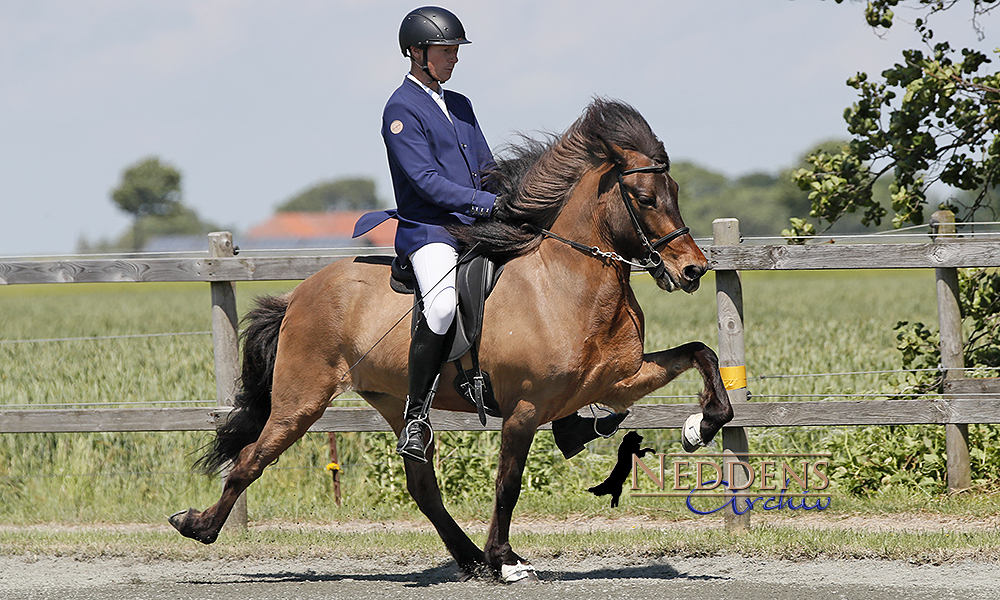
x: 624, y: 578
x: 628, y: 576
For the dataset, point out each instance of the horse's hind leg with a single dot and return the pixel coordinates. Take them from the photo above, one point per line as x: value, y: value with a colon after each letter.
x: 515, y: 441
x: 422, y: 484
x: 298, y: 400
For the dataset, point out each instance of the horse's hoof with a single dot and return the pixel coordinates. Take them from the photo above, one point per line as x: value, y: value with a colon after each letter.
x: 519, y: 573
x: 181, y: 521
x: 178, y: 519
x: 691, y: 433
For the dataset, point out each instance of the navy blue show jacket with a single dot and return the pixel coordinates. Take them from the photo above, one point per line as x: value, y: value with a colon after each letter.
x: 436, y: 165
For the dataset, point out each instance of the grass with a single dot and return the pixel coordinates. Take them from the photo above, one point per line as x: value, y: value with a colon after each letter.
x: 797, y: 323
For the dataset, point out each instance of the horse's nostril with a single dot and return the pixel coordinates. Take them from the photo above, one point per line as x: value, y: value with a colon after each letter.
x: 694, y: 272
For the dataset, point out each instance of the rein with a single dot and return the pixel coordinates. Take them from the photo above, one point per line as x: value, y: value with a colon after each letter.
x: 653, y: 262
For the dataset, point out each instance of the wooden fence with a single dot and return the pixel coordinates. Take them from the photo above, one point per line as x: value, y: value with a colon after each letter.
x: 964, y: 401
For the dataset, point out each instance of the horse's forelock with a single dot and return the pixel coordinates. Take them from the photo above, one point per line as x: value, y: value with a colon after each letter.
x: 618, y: 124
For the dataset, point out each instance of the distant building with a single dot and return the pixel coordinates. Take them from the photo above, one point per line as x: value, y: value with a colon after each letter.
x: 291, y: 230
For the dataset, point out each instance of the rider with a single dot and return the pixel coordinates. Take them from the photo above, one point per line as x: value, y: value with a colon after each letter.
x: 437, y: 158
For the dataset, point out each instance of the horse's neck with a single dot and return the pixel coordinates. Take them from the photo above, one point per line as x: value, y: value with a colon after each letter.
x: 583, y: 217
x: 595, y: 281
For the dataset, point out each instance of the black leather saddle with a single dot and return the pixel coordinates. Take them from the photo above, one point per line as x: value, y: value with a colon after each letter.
x: 476, y: 277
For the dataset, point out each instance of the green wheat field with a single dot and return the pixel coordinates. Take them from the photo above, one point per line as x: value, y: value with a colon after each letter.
x: 86, y: 344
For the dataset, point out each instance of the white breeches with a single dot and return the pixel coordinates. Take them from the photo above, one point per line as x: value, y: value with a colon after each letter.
x: 434, y: 268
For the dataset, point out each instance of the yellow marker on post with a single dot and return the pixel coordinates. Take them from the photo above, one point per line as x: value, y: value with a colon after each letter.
x: 734, y: 378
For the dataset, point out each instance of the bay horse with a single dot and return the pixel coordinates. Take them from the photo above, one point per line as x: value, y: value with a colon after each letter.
x: 562, y: 328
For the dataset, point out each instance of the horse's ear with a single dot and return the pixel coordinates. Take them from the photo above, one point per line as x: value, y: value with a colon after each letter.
x: 616, y: 154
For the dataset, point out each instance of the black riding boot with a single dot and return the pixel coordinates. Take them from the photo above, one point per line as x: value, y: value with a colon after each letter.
x: 426, y: 355
x: 573, y: 431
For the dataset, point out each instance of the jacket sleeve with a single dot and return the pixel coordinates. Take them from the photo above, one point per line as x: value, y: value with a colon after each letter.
x: 408, y: 146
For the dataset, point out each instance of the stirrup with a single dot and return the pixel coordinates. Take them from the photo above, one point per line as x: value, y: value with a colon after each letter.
x: 613, y: 417
x: 411, y: 444
x: 571, y: 436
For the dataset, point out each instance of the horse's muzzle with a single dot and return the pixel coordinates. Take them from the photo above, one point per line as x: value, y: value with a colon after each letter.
x: 688, y: 279
x: 692, y: 275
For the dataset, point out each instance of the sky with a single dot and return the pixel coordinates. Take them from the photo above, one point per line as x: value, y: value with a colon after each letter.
x: 256, y: 100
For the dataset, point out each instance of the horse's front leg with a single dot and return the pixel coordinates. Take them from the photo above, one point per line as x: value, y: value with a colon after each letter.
x: 660, y: 368
x: 515, y: 440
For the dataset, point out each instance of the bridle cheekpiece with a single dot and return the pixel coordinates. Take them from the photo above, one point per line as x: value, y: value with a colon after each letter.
x: 653, y: 263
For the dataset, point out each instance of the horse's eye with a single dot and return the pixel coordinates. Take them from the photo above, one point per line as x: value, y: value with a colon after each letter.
x: 646, y: 200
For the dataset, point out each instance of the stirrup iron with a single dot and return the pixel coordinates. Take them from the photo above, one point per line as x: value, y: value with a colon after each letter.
x: 416, y: 449
x: 412, y: 434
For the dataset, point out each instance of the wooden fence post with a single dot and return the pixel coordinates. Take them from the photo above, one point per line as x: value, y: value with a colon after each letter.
x: 334, y: 467
x: 952, y: 359
x: 225, y: 334
x: 732, y: 360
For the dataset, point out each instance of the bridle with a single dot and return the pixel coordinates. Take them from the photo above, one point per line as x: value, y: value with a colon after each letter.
x: 653, y: 262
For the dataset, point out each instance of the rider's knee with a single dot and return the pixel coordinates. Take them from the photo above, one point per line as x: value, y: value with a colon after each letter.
x: 440, y: 312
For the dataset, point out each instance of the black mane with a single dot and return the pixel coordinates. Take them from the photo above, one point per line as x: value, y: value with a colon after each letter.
x: 534, y: 178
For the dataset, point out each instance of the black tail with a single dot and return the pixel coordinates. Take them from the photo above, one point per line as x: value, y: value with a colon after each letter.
x: 252, y: 405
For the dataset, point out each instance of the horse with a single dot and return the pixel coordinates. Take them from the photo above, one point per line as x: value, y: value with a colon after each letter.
x: 562, y: 328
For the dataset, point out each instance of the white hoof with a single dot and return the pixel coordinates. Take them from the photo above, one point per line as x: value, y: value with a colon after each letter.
x: 519, y: 572
x: 691, y: 434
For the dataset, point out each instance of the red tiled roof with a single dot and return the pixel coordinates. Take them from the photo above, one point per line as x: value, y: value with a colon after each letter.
x: 310, y: 225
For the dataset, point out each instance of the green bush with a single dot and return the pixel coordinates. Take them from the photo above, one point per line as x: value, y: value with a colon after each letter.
x: 869, y: 459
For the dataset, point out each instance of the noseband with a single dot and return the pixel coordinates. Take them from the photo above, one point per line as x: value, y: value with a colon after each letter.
x: 653, y: 263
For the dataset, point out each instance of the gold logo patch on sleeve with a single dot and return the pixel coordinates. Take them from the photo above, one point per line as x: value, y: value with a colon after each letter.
x: 396, y: 126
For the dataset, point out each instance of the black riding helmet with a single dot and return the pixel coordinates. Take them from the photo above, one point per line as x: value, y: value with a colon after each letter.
x: 430, y: 26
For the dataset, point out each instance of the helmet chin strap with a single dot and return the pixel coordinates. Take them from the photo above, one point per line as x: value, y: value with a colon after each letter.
x: 423, y: 67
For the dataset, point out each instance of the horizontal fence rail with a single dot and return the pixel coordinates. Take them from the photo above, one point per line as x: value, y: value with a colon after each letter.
x: 722, y: 258
x: 974, y: 403
x: 939, y: 411
x: 855, y: 256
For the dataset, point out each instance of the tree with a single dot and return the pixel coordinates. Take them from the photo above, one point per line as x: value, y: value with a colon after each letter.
x: 148, y: 188
x: 339, y: 194
x: 150, y: 191
x: 761, y: 201
x: 934, y: 117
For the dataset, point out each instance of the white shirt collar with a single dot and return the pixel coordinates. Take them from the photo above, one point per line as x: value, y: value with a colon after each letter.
x: 439, y: 98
